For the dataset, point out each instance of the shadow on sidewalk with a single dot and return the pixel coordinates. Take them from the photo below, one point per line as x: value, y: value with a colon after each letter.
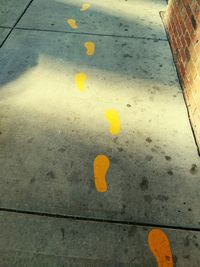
x: 147, y: 59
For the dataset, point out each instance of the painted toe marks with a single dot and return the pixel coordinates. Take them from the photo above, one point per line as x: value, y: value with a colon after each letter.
x: 101, y: 166
x: 85, y: 7
x: 72, y: 24
x: 90, y: 48
x: 160, y: 247
x: 80, y: 79
x: 112, y: 117
x: 102, y: 162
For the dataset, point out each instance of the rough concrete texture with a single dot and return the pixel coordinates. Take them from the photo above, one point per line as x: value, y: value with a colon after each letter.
x: 50, y: 134
x: 3, y: 34
x: 10, y: 11
x: 127, y: 18
x: 39, y: 241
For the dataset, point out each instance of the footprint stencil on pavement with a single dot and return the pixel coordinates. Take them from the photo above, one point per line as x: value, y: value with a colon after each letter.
x: 157, y: 240
x: 90, y: 48
x: 81, y: 81
x: 112, y: 117
x: 101, y: 166
x: 85, y: 7
x: 160, y: 247
x: 72, y: 23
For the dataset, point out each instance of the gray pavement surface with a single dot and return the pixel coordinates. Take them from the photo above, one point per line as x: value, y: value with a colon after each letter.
x: 3, y: 34
x: 10, y: 11
x: 119, y: 17
x: 50, y: 137
x: 50, y: 134
x: 40, y: 241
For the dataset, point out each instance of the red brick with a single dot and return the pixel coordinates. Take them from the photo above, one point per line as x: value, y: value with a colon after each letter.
x: 184, y: 35
x: 194, y: 22
x: 188, y: 25
x: 188, y: 10
x: 170, y: 29
x: 175, y: 31
x: 198, y: 16
x: 183, y: 41
x: 183, y: 13
x: 183, y: 27
x: 179, y: 28
x: 178, y: 40
x: 182, y: 70
x: 182, y: 54
x: 187, y: 38
x: 185, y: 3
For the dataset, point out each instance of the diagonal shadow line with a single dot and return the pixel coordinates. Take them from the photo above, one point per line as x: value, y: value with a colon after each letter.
x: 146, y: 73
x: 62, y: 10
x: 135, y: 54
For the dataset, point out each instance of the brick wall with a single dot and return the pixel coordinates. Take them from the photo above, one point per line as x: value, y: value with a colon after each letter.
x: 182, y: 22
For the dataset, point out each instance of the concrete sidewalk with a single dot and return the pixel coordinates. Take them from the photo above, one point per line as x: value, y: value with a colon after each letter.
x: 50, y: 134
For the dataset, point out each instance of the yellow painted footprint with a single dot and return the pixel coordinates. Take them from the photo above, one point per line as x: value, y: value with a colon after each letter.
x: 72, y: 24
x: 160, y: 247
x: 101, y: 166
x: 114, y: 121
x: 90, y: 48
x: 85, y: 7
x: 81, y: 80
